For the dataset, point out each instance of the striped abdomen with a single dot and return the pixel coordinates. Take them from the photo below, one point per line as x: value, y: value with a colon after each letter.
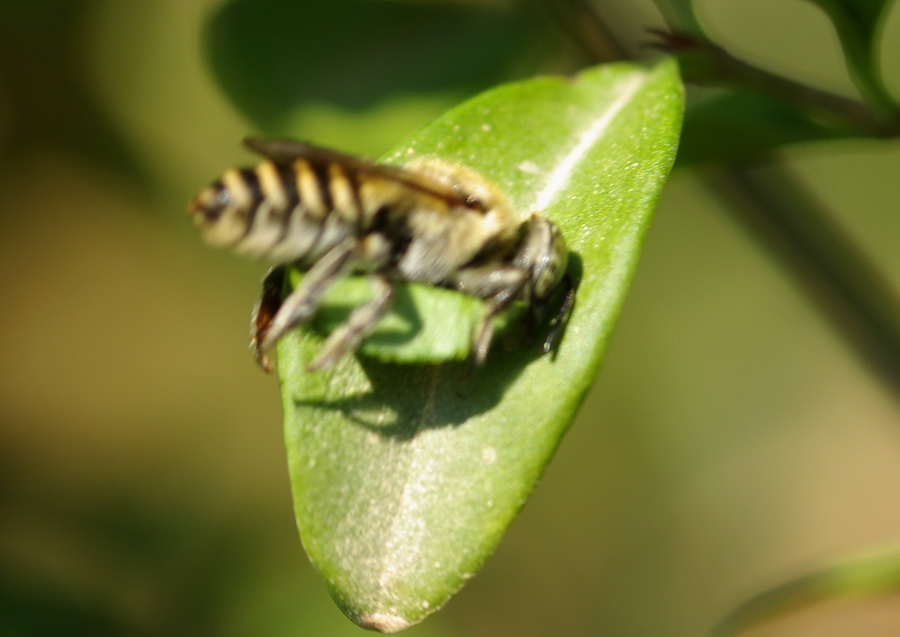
x: 293, y: 211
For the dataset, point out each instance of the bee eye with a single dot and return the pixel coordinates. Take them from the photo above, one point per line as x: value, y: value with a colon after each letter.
x: 210, y: 202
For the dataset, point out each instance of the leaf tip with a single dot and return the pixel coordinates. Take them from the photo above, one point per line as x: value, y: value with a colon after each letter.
x: 383, y: 622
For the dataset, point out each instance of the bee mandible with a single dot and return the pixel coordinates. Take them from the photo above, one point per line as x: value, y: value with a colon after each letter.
x: 333, y: 215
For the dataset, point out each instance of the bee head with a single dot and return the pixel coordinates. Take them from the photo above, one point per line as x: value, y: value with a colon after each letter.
x: 545, y: 255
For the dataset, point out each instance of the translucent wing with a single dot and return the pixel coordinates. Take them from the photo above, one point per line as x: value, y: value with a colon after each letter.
x: 284, y: 151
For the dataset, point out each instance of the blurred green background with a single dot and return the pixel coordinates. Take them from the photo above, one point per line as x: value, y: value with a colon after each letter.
x: 731, y: 440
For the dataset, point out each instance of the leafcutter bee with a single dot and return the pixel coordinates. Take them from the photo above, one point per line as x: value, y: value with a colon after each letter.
x: 332, y: 215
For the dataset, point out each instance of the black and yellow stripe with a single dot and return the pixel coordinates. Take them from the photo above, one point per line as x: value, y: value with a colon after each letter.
x: 297, y: 210
x: 280, y: 211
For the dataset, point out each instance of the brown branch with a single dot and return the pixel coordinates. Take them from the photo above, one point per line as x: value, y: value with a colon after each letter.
x: 706, y: 63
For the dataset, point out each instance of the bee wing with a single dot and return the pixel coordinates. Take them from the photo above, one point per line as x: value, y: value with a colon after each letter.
x: 284, y: 151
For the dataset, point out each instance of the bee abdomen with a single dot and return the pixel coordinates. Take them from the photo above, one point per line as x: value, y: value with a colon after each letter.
x: 225, y: 208
x: 325, y: 213
x: 283, y: 212
x: 267, y: 217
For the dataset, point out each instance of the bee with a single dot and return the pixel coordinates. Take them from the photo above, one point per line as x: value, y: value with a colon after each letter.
x: 333, y: 215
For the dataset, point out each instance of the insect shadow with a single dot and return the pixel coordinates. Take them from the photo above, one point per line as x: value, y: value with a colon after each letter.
x: 407, y: 399
x: 404, y: 400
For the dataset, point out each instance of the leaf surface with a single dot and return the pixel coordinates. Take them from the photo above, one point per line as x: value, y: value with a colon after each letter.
x: 405, y: 477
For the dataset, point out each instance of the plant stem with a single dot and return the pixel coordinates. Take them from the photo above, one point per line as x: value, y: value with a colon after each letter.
x: 848, y: 289
x: 718, y: 68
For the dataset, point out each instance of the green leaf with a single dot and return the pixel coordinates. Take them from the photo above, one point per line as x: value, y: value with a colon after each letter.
x: 859, y: 576
x: 405, y: 477
x: 858, y: 23
x: 276, y: 57
x: 736, y: 125
x: 680, y: 15
x: 402, y: 336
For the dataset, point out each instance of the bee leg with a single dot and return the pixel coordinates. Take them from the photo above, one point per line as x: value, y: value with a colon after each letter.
x: 303, y: 302
x: 362, y: 321
x: 266, y: 308
x: 499, y: 286
x: 481, y: 340
x: 556, y: 327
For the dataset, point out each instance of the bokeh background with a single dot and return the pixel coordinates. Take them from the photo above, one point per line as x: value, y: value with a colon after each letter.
x: 731, y: 441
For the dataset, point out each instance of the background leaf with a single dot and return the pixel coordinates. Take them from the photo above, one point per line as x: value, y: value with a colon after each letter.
x: 680, y: 15
x: 405, y: 477
x: 857, y: 576
x: 52, y: 105
x: 273, y: 57
x: 742, y: 125
x: 858, y: 23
